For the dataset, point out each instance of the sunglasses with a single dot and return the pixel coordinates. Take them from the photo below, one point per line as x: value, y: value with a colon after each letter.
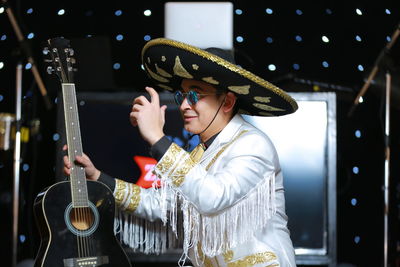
x: 192, y: 97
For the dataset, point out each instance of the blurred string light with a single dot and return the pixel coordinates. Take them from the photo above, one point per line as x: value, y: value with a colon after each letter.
x: 1, y: 10
x: 28, y: 66
x: 296, y: 66
x: 269, y: 40
x: 118, y: 12
x: 25, y: 167
x: 147, y: 37
x: 299, y: 12
x: 328, y: 11
x: 359, y: 12
x: 298, y: 38
x: 239, y: 39
x: 61, y: 12
x: 360, y: 67
x: 238, y: 11
x: 1, y: 65
x: 119, y: 37
x: 269, y: 11
x: 356, y: 170
x: 387, y: 11
x: 357, y: 239
x: 357, y: 133
x: 271, y: 67
x: 147, y: 12
x: 29, y: 11
x: 116, y: 66
x: 388, y: 38
x: 325, y: 39
x: 56, y: 137
x: 353, y: 201
x: 1, y: 98
x: 3, y: 37
x: 30, y: 35
x: 325, y: 64
x: 358, y: 38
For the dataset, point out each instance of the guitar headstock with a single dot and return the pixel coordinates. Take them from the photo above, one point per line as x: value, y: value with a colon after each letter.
x: 60, y: 58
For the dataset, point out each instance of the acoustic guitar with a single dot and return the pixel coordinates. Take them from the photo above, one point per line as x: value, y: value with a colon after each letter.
x: 75, y: 218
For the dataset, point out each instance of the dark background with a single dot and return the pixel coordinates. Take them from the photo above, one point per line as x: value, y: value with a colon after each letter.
x: 93, y: 26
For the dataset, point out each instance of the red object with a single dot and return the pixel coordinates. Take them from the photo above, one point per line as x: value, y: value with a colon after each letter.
x: 146, y: 166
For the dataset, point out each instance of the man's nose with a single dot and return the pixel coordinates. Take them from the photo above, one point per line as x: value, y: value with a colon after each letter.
x: 185, y: 104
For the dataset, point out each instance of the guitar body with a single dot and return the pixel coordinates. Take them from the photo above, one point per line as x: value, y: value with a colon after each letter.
x: 73, y: 237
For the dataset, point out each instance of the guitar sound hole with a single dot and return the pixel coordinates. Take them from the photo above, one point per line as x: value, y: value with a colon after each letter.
x: 81, y: 218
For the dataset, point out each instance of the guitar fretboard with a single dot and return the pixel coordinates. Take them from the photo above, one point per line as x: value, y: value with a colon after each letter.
x: 77, y: 177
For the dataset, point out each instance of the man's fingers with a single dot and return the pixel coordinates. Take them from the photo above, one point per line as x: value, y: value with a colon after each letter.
x: 155, y: 99
x: 163, y: 108
x: 141, y: 100
x: 66, y: 162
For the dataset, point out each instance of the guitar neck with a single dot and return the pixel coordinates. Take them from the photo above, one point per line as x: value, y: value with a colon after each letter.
x: 77, y: 176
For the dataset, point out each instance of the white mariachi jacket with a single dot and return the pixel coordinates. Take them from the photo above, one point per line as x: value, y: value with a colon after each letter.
x: 228, y: 208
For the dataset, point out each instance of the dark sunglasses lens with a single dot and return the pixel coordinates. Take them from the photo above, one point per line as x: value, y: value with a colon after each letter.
x: 193, y: 97
x: 178, y: 98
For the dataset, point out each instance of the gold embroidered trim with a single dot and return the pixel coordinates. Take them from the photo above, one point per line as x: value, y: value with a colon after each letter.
x: 242, y: 111
x: 169, y: 158
x: 180, y: 172
x: 207, y: 261
x: 223, y: 149
x: 135, y: 197
x: 180, y: 70
x: 266, y: 114
x: 155, y: 76
x: 197, y: 152
x: 267, y: 107
x: 263, y: 99
x: 228, y: 256
x: 162, y: 72
x: 166, y: 87
x: 224, y: 63
x: 210, y: 80
x: 254, y: 259
x: 120, y: 191
x: 241, y: 90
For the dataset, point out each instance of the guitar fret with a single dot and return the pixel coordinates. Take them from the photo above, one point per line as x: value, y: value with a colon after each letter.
x: 77, y: 177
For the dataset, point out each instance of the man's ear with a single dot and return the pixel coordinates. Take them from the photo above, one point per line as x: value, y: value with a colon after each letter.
x: 230, y: 100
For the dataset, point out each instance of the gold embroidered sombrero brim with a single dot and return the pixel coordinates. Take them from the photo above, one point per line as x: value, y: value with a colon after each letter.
x: 167, y: 62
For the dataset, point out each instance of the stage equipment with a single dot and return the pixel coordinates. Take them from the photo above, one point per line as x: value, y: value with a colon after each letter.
x: 24, y: 46
x: 202, y: 24
x: 6, y: 123
x: 387, y: 63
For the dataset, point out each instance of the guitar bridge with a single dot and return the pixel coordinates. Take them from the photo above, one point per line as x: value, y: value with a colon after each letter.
x: 86, y: 262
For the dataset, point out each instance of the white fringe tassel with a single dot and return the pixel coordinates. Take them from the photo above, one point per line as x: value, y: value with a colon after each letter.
x: 213, y: 234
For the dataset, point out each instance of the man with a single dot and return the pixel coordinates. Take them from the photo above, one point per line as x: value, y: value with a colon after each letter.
x: 227, y: 194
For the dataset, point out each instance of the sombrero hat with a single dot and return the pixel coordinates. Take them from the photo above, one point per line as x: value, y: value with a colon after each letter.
x: 167, y: 62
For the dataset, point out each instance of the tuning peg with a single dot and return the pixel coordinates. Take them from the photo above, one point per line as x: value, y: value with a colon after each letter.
x: 46, y: 51
x: 50, y: 69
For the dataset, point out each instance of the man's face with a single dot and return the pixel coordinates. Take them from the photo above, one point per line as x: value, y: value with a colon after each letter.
x: 198, y: 116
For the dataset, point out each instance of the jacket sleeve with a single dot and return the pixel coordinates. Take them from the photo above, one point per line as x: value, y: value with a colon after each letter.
x: 233, y: 172
x: 141, y: 202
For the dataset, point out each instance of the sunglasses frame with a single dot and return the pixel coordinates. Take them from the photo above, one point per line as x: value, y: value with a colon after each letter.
x: 192, y: 97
